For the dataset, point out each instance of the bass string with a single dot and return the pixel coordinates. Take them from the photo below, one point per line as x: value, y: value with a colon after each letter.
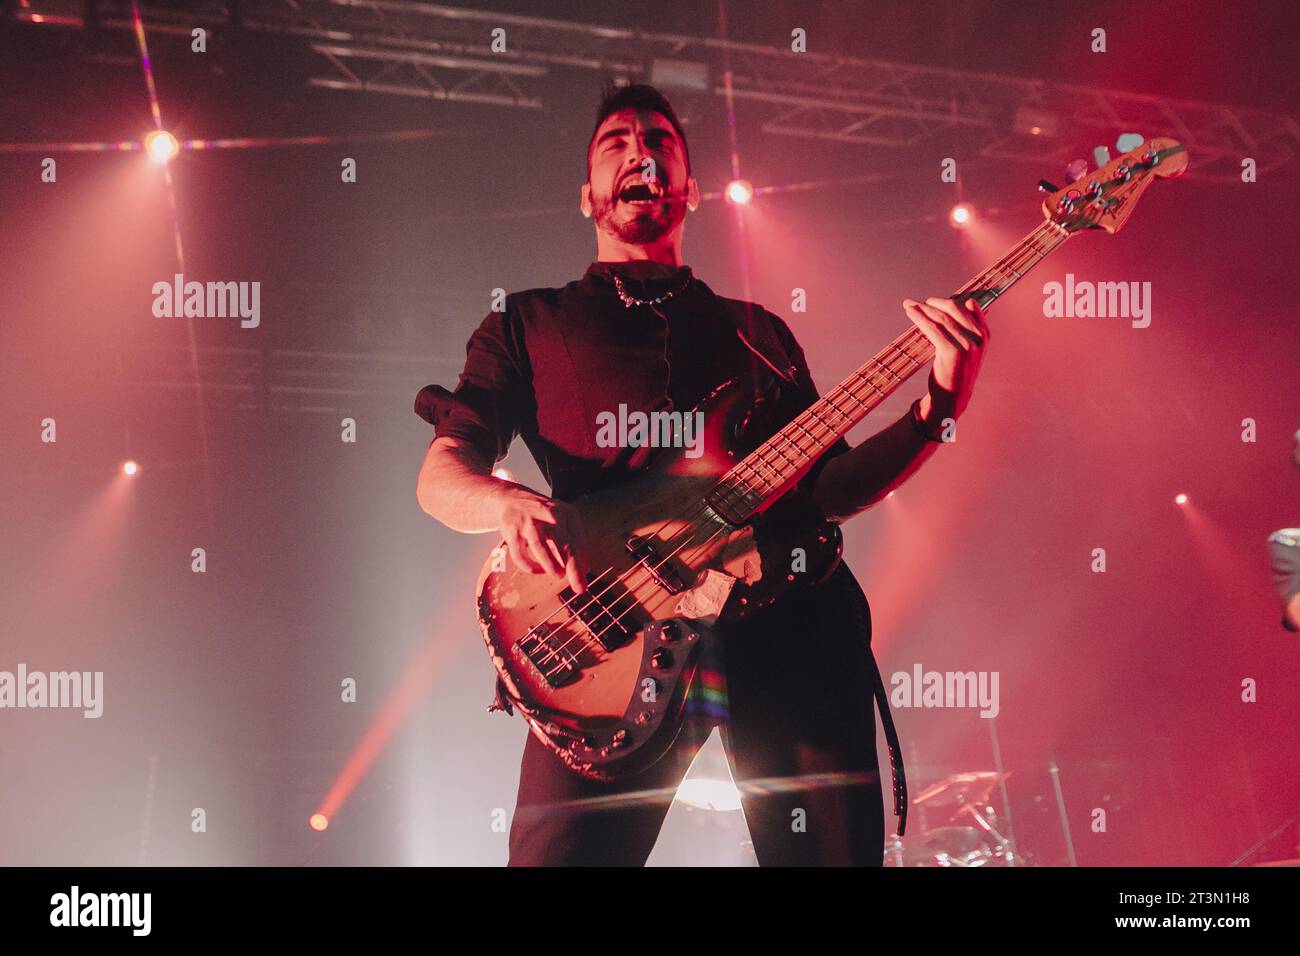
x: 1025, y: 255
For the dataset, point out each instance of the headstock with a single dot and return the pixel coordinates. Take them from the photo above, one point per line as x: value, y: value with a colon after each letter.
x: 1105, y: 198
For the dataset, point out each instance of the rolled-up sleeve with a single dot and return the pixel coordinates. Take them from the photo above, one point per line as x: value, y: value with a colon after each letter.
x: 487, y: 408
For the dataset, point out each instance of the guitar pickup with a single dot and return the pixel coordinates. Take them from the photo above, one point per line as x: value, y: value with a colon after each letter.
x: 610, y: 630
x: 664, y: 573
x: 545, y: 651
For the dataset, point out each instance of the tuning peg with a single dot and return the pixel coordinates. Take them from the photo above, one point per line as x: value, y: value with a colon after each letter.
x: 1128, y: 141
x: 1046, y: 187
x: 1101, y: 155
x: 1076, y: 170
x: 1069, y: 200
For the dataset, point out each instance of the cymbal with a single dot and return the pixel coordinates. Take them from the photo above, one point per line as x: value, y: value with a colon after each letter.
x: 960, y: 788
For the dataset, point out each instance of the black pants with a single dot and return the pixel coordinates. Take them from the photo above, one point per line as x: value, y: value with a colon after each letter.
x: 800, y: 733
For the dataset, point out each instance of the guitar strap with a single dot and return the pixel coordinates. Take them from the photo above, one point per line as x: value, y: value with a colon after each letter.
x: 759, y: 335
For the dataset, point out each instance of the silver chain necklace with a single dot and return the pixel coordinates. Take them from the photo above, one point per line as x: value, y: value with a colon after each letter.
x: 630, y: 300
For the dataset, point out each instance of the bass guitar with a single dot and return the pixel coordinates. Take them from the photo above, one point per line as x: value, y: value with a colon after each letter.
x: 601, y: 676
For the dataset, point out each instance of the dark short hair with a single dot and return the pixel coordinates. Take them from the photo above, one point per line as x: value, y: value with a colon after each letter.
x: 637, y: 96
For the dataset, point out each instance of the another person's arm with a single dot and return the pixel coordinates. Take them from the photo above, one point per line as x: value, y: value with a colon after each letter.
x: 1293, y: 612
x: 1284, y: 547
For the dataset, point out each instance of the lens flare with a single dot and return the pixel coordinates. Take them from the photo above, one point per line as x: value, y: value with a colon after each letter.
x: 161, y: 146
x: 740, y: 192
x: 706, y: 794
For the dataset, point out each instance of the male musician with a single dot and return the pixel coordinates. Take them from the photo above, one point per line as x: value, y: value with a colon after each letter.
x: 638, y: 328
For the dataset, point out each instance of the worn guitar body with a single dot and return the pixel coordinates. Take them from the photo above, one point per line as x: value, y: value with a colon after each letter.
x: 602, y: 677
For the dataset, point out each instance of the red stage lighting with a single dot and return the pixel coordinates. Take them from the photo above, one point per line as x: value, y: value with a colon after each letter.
x: 130, y: 469
x: 1180, y: 500
x: 961, y: 214
x: 740, y: 192
x: 161, y: 146
x: 319, y: 821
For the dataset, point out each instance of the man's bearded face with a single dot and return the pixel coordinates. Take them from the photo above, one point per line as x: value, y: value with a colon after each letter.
x: 636, y: 201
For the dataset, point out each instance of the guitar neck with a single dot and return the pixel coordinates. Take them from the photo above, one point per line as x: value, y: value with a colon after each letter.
x: 777, y: 464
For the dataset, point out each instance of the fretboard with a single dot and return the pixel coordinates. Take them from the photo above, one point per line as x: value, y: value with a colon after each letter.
x: 777, y: 464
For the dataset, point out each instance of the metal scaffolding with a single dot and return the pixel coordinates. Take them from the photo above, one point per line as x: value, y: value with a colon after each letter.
x: 445, y: 53
x: 460, y: 54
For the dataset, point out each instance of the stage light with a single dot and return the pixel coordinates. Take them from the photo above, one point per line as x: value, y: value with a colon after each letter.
x: 740, y: 192
x: 1180, y: 500
x: 130, y: 469
x: 319, y: 821
x: 161, y: 146
x: 1034, y: 122
x: 961, y: 214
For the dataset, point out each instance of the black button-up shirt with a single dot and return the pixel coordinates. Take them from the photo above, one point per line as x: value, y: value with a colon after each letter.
x: 546, y: 366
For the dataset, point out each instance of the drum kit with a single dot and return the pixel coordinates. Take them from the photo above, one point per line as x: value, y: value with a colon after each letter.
x: 969, y: 836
